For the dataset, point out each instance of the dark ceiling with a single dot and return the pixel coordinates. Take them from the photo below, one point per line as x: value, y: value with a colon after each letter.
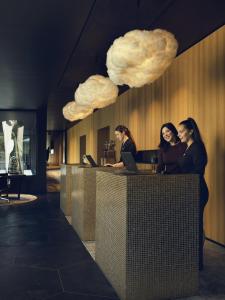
x: 48, y: 47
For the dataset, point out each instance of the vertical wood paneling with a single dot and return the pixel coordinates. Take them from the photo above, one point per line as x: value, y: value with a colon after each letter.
x: 193, y: 86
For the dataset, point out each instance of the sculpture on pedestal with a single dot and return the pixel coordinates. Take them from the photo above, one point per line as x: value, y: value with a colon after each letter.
x: 13, y: 142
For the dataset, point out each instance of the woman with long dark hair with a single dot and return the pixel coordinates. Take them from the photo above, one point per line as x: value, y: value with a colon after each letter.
x: 123, y: 134
x: 194, y: 160
x: 170, y: 149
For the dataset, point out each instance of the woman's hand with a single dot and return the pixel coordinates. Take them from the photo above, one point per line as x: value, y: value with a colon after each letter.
x: 118, y: 165
x: 108, y: 165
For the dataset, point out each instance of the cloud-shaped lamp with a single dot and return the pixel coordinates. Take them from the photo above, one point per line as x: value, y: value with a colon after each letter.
x: 140, y: 56
x: 73, y: 111
x: 97, y: 91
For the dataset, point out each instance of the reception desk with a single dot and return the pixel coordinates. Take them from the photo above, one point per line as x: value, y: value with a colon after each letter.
x: 84, y: 201
x: 147, y: 234
x: 66, y: 188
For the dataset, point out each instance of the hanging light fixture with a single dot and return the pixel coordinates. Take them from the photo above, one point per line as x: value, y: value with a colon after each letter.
x: 140, y: 57
x: 97, y: 92
x: 73, y: 111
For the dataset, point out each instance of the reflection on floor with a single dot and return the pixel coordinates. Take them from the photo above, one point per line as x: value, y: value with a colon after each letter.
x: 69, y: 219
x: 41, y: 257
x: 53, y: 179
x: 24, y: 198
x: 90, y: 246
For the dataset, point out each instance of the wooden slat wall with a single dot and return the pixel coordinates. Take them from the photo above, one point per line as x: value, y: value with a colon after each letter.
x: 193, y: 86
x: 73, y: 139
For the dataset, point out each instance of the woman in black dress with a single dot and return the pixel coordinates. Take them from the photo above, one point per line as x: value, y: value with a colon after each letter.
x: 170, y: 149
x: 123, y: 134
x: 194, y: 161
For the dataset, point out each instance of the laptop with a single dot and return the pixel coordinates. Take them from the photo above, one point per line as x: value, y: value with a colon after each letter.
x: 131, y: 167
x: 130, y: 164
x: 91, y: 161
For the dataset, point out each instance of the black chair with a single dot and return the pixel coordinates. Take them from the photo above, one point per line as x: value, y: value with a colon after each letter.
x: 4, y: 187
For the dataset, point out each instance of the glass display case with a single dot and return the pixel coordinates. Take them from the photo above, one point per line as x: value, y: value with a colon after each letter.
x: 18, y: 142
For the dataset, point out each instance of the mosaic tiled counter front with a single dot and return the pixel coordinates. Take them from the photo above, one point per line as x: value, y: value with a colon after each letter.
x: 147, y: 234
x: 84, y: 201
x: 66, y: 188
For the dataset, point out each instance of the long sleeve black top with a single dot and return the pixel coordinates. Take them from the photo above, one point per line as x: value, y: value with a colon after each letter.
x: 194, y: 161
x: 168, y: 159
x: 128, y: 146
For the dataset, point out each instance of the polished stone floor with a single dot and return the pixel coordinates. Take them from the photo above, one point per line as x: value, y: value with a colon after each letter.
x: 53, y: 179
x: 41, y: 258
x: 212, y: 279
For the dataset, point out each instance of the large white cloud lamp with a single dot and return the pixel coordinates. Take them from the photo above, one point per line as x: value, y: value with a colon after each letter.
x: 73, y: 111
x: 140, y: 56
x: 97, y: 91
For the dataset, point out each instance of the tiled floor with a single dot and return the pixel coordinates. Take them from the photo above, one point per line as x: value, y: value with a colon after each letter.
x: 41, y: 257
x: 212, y: 279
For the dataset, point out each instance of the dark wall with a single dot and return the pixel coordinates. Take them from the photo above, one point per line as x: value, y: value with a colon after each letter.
x: 39, y: 181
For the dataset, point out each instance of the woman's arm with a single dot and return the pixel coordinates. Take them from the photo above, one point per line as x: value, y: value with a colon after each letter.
x: 199, y: 160
x: 161, y: 165
x: 118, y: 165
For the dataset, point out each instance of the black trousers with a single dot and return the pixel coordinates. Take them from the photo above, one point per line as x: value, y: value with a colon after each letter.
x: 201, y: 234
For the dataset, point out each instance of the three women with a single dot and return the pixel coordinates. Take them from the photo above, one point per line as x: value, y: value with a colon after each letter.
x: 181, y: 151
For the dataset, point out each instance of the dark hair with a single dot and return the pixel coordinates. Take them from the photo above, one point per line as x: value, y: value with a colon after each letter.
x: 190, y: 124
x: 163, y: 143
x: 122, y: 128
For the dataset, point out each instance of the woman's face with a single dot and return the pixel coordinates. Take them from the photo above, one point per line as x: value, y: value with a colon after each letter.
x: 119, y: 135
x: 184, y: 133
x: 168, y: 135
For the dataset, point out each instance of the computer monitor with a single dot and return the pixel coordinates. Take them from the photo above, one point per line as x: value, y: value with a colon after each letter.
x: 129, y: 161
x: 91, y: 161
x: 147, y: 156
